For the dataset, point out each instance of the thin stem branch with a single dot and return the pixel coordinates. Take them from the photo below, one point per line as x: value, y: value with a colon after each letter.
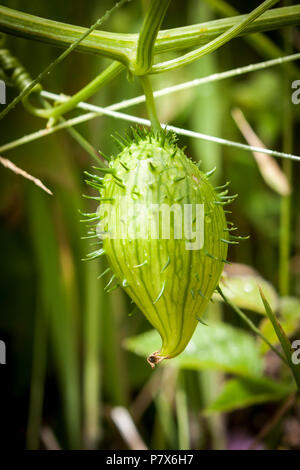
x: 260, y: 42
x: 101, y: 80
x: 210, y: 78
x: 145, y: 51
x: 283, y: 339
x: 98, y: 111
x: 140, y: 99
x: 215, y: 43
x: 251, y: 325
x: 147, y: 36
x: 150, y: 103
x: 77, y: 136
x: 26, y: 91
x: 115, y: 68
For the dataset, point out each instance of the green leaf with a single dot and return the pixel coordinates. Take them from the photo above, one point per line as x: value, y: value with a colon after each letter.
x: 284, y: 341
x: 289, y: 312
x: 242, y: 392
x: 216, y: 346
x: 243, y: 291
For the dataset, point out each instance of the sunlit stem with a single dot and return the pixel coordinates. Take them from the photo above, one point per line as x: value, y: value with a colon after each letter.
x: 105, y: 77
x: 150, y: 103
x: 147, y: 36
x: 216, y: 43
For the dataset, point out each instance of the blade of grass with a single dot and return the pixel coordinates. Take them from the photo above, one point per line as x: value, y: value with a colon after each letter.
x: 182, y: 414
x: 284, y: 341
x: 37, y: 382
x: 92, y: 341
x: 286, y: 201
x: 115, y: 375
x: 86, y: 293
x: 210, y: 386
x: 166, y: 419
x: 54, y: 301
x: 250, y: 324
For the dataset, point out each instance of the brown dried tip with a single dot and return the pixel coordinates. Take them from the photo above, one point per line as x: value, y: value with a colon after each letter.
x: 155, y: 358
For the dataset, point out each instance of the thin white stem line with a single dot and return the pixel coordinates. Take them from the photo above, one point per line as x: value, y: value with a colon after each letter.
x: 177, y: 130
x: 210, y: 78
x: 44, y: 132
x: 97, y: 111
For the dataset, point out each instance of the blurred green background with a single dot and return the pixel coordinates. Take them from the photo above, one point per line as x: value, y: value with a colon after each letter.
x: 70, y: 379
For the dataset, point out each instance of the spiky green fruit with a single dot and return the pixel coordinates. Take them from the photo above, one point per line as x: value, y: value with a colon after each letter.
x: 169, y: 282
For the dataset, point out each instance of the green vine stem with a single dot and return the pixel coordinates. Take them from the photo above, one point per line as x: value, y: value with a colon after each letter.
x: 54, y: 113
x: 150, y: 103
x: 215, y: 43
x: 144, y: 54
x: 72, y: 46
x: 147, y: 36
x: 111, y: 45
x: 260, y: 42
x: 121, y: 46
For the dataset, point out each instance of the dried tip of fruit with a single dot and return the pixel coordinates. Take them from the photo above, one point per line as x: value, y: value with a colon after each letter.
x: 155, y: 358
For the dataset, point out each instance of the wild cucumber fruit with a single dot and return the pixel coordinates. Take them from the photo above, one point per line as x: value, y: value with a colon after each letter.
x: 170, y: 284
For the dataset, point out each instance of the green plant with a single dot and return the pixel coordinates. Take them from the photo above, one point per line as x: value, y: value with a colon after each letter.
x: 150, y: 258
x: 138, y: 55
